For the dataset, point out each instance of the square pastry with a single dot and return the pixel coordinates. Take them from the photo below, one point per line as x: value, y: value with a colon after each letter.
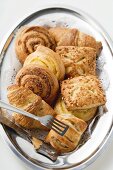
x: 71, y: 138
x: 78, y: 60
x: 82, y: 92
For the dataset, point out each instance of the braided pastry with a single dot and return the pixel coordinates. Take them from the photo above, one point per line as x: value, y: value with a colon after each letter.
x: 78, y: 60
x: 25, y: 99
x: 40, y: 80
x: 28, y: 38
x: 48, y: 59
x: 70, y: 140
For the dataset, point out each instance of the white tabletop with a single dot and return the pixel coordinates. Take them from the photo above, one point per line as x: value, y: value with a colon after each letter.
x: 10, y: 12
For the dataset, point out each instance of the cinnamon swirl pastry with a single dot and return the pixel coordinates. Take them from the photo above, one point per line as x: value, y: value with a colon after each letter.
x: 28, y: 38
x: 70, y: 140
x: 73, y: 37
x: 78, y: 60
x: 25, y: 99
x: 82, y: 92
x: 84, y: 114
x: 48, y: 59
x: 40, y: 80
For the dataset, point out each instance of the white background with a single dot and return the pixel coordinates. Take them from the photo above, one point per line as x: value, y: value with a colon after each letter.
x: 10, y: 12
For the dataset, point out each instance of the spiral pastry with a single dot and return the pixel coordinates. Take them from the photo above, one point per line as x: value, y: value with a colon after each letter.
x: 40, y: 80
x: 84, y: 114
x: 47, y: 58
x: 28, y: 38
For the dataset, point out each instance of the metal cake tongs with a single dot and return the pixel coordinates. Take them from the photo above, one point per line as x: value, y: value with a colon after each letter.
x: 48, y: 120
x: 44, y: 149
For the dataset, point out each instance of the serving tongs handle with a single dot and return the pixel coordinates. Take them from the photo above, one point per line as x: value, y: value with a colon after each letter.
x: 5, y: 120
x: 45, y: 149
x: 18, y: 110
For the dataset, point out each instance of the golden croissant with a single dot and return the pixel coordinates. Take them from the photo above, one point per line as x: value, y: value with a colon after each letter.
x: 84, y: 114
x: 73, y: 37
x: 47, y: 58
x: 71, y: 138
x: 78, y: 60
x: 25, y: 99
x: 29, y: 37
x: 40, y: 80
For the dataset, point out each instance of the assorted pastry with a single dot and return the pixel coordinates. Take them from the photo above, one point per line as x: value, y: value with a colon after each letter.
x: 49, y: 59
x: 25, y: 99
x: 58, y: 77
x: 70, y: 140
x: 84, y: 114
x: 28, y: 38
x: 74, y: 37
x: 38, y: 79
x: 78, y: 60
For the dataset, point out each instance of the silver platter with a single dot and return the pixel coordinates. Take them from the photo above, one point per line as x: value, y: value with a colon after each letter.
x: 101, y: 134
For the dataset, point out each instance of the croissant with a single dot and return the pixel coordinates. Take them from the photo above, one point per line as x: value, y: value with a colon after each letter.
x: 78, y: 60
x: 28, y: 38
x: 40, y: 80
x: 82, y: 92
x: 64, y: 36
x: 73, y: 37
x: 70, y: 140
x: 84, y: 114
x: 25, y: 99
x: 48, y: 59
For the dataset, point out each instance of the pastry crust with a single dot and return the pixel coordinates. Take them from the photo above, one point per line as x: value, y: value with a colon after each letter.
x: 25, y: 99
x: 40, y: 80
x: 82, y: 92
x: 36, y: 143
x: 48, y: 59
x: 78, y: 60
x: 63, y: 36
x: 28, y: 38
x: 85, y: 40
x: 70, y: 140
x: 84, y: 114
x: 74, y: 37
x: 58, y: 33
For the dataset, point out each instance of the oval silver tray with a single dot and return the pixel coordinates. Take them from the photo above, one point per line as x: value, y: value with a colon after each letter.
x: 87, y: 153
